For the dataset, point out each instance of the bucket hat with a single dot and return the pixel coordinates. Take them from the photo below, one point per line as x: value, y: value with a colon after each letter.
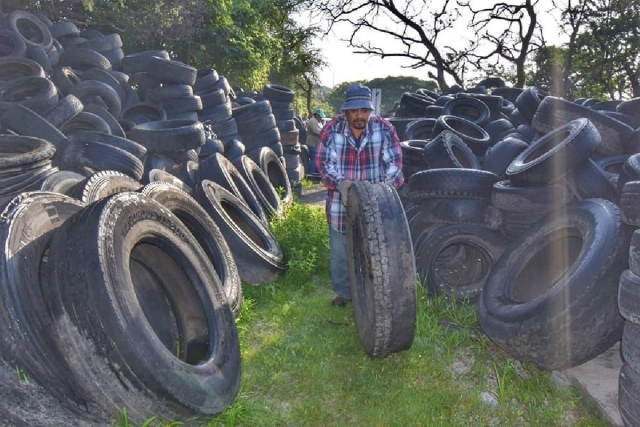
x: 358, y: 96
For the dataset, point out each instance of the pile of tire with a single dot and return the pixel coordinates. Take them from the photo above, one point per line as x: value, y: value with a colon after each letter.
x: 522, y: 204
x: 295, y: 157
x: 142, y: 220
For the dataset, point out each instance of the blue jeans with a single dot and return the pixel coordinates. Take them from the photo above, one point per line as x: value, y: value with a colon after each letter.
x: 339, y: 264
x: 312, y: 161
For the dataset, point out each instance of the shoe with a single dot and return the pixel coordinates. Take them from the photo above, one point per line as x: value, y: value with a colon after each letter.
x: 340, y: 301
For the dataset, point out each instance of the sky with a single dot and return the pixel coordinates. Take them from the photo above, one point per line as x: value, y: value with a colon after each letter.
x: 344, y: 65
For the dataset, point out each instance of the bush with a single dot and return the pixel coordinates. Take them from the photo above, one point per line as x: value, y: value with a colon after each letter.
x: 303, y: 235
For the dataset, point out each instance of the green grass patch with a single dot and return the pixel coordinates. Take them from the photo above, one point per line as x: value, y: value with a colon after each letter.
x: 303, y: 364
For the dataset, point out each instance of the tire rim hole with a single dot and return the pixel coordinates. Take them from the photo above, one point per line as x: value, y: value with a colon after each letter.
x: 460, y: 265
x: 240, y: 220
x: 552, y: 141
x: 547, y: 266
x: 171, y: 305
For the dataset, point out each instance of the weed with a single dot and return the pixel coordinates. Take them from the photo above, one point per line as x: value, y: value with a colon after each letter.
x: 22, y: 375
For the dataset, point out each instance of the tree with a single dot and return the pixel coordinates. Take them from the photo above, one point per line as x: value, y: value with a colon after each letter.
x: 506, y: 32
x: 610, y: 47
x: 416, y: 27
x: 392, y: 90
x: 241, y: 39
x: 300, y: 64
x: 573, y: 16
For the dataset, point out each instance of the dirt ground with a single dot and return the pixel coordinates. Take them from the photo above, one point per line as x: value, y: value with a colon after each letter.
x: 316, y: 195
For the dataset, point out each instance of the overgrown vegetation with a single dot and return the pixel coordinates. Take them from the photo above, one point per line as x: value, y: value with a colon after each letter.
x: 303, y: 364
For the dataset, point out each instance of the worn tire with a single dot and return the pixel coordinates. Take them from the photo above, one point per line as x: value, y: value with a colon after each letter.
x: 198, y: 221
x: 255, y: 250
x: 554, y: 155
x: 559, y: 280
x: 108, y: 314
x: 381, y: 269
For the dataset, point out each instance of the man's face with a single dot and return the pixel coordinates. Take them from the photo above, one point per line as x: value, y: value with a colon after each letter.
x: 358, y: 118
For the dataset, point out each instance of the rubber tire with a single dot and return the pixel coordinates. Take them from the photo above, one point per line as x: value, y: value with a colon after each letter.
x: 471, y: 109
x: 629, y: 293
x: 27, y: 225
x: 477, y: 212
x: 447, y: 150
x: 473, y: 135
x: 469, y: 183
x: 554, y: 155
x: 101, y: 157
x: 200, y: 224
x: 219, y: 169
x: 168, y: 136
x: 582, y: 302
x: 629, y: 396
x: 115, y: 141
x: 36, y: 93
x: 554, y: 111
x: 257, y: 254
x: 275, y: 171
x: 382, y: 269
x: 24, y: 121
x: 490, y: 244
x: 499, y: 157
x: 260, y: 184
x: 63, y: 111
x: 104, y: 236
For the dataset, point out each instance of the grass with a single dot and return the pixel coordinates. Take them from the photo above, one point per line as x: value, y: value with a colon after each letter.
x: 303, y: 364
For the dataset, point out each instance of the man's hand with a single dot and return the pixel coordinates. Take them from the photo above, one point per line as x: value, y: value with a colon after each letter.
x: 344, y: 190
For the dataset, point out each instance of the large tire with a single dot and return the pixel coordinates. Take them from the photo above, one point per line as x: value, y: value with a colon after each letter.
x: 26, y: 227
x: 271, y: 165
x: 465, y: 278
x: 447, y: 150
x: 221, y: 170
x: 473, y: 135
x: 554, y: 155
x: 471, y: 109
x: 554, y: 112
x: 101, y: 185
x: 551, y: 299
x: 35, y: 93
x: 169, y: 136
x: 254, y: 248
x: 128, y: 333
x: 100, y: 157
x: 477, y: 212
x: 469, y: 183
x: 260, y: 184
x: 382, y: 269
x: 629, y: 396
x: 198, y: 221
x: 500, y: 156
x: 24, y: 121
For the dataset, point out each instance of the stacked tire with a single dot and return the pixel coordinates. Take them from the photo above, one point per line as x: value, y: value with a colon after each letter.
x: 293, y: 153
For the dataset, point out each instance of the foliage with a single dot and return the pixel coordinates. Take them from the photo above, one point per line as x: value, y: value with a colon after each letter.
x: 392, y: 90
x: 245, y: 40
x: 303, y: 236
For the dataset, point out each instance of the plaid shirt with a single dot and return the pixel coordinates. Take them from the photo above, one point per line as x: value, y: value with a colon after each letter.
x: 378, y: 159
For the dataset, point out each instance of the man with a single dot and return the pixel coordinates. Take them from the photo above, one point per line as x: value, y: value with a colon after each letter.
x: 353, y: 146
x: 314, y: 126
